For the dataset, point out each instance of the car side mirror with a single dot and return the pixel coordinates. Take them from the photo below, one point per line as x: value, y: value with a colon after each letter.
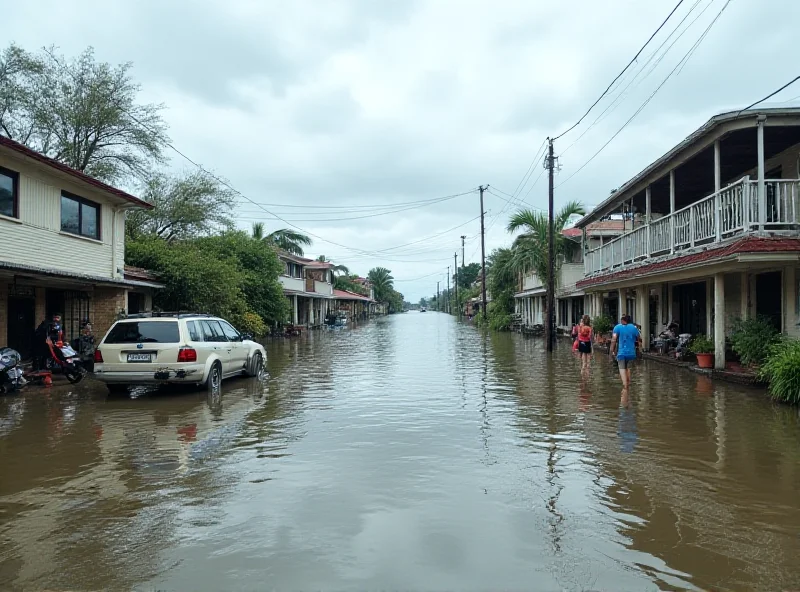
x: 246, y: 337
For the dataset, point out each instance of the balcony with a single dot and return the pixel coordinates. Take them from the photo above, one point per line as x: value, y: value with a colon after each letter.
x: 733, y: 211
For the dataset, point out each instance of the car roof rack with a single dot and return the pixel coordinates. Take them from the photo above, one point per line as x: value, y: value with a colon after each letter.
x: 169, y: 314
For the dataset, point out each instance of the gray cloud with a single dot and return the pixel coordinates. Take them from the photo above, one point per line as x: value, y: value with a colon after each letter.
x: 363, y: 102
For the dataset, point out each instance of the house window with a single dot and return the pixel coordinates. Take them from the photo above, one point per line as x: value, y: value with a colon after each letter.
x: 9, y: 191
x: 80, y: 216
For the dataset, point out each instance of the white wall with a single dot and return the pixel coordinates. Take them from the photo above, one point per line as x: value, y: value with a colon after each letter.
x: 295, y: 284
x: 35, y: 238
x: 323, y: 288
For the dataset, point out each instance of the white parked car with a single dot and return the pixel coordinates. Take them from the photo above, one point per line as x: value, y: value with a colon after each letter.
x: 175, y: 348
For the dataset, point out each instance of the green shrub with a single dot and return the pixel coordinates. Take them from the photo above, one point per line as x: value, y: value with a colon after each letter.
x: 781, y: 370
x: 751, y: 339
x: 701, y: 345
x: 602, y: 324
x: 500, y: 322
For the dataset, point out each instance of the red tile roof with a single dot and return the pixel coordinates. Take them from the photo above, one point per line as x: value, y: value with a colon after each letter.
x: 747, y: 244
x: 54, y: 164
x: 345, y: 295
x: 600, y: 225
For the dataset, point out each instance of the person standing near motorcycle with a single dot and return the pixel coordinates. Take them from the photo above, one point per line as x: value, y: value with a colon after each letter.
x: 48, y: 329
x: 623, y: 345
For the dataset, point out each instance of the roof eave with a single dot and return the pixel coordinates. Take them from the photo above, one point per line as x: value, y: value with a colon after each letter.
x: 714, y: 122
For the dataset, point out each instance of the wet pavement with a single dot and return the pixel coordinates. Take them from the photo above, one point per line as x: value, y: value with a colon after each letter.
x: 414, y: 453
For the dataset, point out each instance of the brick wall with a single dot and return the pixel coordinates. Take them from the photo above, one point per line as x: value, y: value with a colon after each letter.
x: 3, y: 314
x: 106, y: 304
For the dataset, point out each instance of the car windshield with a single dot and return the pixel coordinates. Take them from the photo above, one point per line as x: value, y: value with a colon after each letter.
x: 144, y: 332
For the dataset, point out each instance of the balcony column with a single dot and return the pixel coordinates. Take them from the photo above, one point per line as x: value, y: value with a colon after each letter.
x: 709, y: 307
x: 790, y: 301
x: 717, y: 188
x: 622, y: 306
x: 762, y: 197
x: 312, y: 305
x: 744, y: 290
x: 672, y: 211
x: 719, y: 321
x: 294, y: 310
x: 643, y: 314
x: 648, y: 213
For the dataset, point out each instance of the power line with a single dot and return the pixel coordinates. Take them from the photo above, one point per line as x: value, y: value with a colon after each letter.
x: 356, y: 207
x: 643, y: 105
x: 770, y: 95
x: 529, y: 172
x: 612, y: 106
x: 638, y: 53
x: 353, y: 217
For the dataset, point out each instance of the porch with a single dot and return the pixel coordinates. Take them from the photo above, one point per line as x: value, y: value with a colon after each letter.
x: 737, y: 176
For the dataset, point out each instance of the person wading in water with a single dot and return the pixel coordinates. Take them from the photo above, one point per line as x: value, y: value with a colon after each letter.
x: 623, y: 345
x: 585, y: 341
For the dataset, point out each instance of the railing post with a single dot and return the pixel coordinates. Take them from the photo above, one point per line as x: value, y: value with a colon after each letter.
x: 672, y: 211
x: 691, y: 226
x: 718, y: 215
x: 746, y: 204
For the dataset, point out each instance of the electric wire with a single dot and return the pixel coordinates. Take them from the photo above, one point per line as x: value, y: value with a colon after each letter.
x: 647, y: 101
x: 638, y: 53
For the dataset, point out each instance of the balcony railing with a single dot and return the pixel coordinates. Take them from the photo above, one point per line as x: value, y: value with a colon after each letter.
x: 734, y: 210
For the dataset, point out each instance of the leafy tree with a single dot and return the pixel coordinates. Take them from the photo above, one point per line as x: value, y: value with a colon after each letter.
x: 530, y: 249
x: 229, y: 274
x: 382, y: 283
x: 347, y: 282
x: 259, y: 267
x: 468, y: 274
x: 80, y: 112
x: 186, y: 207
x: 284, y: 239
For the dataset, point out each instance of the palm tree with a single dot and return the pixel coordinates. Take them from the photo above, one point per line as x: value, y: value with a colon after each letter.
x: 382, y: 282
x: 530, y: 249
x: 284, y: 239
x: 336, y: 269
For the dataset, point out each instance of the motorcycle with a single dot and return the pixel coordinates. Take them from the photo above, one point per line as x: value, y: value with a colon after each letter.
x: 84, y: 346
x: 11, y: 378
x: 67, y: 360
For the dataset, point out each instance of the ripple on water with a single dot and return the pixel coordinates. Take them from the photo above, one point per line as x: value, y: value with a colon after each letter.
x: 411, y: 452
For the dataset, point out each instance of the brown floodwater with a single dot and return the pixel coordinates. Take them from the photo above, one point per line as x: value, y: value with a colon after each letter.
x: 413, y: 453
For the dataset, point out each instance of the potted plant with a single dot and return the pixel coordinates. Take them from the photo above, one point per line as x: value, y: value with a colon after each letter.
x: 601, y: 325
x: 703, y: 348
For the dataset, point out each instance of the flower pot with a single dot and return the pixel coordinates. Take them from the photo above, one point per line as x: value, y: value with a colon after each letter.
x: 705, y: 360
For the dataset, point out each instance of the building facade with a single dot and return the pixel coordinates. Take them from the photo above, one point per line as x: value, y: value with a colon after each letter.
x: 714, y: 232
x: 62, y: 248
x: 308, y: 284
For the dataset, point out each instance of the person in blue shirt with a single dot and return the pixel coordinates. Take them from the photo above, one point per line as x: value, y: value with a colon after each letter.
x: 623, y: 345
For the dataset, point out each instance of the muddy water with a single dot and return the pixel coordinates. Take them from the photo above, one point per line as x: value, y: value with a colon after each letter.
x: 410, y: 453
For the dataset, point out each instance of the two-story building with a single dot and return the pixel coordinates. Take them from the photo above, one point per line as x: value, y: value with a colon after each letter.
x: 62, y: 248
x: 569, y: 296
x: 720, y: 231
x: 308, y: 284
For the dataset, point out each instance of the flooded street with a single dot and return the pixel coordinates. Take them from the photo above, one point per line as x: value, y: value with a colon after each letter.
x: 412, y: 452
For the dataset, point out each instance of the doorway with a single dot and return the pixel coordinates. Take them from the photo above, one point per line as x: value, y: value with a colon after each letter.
x: 769, y: 297
x: 21, y: 324
x: 689, y: 302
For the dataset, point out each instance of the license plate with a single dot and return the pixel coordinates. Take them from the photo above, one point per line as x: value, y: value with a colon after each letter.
x: 140, y: 357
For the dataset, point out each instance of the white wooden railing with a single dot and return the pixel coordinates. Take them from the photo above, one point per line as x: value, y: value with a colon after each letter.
x: 734, y: 210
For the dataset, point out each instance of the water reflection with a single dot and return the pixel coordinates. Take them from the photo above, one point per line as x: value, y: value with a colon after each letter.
x: 413, y: 452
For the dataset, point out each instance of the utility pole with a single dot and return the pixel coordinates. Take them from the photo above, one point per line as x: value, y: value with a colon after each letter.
x: 438, y: 301
x: 549, y: 332
x: 483, y: 257
x: 463, y: 237
x: 455, y: 281
x: 447, y: 302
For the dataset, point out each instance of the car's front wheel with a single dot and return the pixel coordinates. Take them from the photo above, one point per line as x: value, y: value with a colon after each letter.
x: 257, y: 369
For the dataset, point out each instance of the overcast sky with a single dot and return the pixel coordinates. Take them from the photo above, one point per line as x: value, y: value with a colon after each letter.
x: 358, y: 102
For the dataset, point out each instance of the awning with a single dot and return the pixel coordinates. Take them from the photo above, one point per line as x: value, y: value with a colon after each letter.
x: 16, y: 268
